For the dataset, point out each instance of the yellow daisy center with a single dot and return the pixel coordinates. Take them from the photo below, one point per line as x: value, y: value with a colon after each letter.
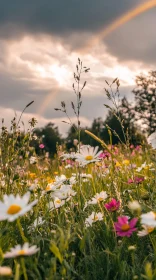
x: 125, y: 227
x: 88, y: 157
x: 150, y: 229
x: 117, y: 164
x: 48, y: 188
x: 58, y: 201
x: 32, y: 175
x: 14, y: 209
x: 95, y: 218
x: 21, y: 252
x: 126, y: 162
x: 100, y: 199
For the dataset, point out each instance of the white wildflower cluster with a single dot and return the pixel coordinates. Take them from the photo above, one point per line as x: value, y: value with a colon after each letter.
x: 60, y: 191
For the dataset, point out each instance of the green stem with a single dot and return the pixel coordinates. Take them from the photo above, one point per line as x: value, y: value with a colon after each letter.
x: 21, y: 231
x: 17, y: 271
x: 24, y: 269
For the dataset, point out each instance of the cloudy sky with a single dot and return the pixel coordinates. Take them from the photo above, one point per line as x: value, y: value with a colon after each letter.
x: 40, y: 42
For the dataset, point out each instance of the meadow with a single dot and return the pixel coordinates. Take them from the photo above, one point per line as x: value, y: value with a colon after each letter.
x: 84, y: 215
x: 88, y: 213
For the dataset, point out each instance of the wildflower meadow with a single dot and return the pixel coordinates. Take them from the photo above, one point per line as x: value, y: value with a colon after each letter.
x: 88, y: 213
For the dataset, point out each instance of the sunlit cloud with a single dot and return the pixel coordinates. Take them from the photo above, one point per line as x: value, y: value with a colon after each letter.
x: 32, y: 61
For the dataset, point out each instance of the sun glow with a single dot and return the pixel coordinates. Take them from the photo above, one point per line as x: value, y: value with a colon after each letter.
x: 59, y: 73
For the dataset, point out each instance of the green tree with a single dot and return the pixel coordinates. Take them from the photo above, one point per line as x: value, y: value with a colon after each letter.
x: 124, y: 130
x: 145, y: 98
x: 72, y: 134
x: 49, y: 136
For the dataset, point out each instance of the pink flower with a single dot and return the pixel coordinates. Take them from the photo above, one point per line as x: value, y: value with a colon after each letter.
x: 105, y: 154
x: 113, y: 205
x: 136, y: 180
x: 139, y: 179
x: 130, y: 181
x: 41, y: 146
x: 138, y: 148
x: 124, y: 227
x: 131, y: 146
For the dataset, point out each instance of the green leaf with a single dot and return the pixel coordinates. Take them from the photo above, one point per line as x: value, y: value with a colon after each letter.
x: 55, y: 250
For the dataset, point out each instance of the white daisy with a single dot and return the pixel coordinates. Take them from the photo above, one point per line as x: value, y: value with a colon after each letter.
x: 141, y: 167
x: 68, y: 166
x: 33, y: 160
x: 149, y: 219
x: 94, y: 217
x: 68, y: 156
x: 39, y: 221
x: 64, y: 192
x: 97, y: 198
x: 134, y: 205
x: 87, y: 155
x: 85, y: 180
x: 51, y: 187
x: 59, y: 180
x: 84, y: 175
x: 15, y: 206
x: 34, y: 186
x: 57, y: 203
x: 19, y: 250
x: 152, y: 140
x: 146, y: 230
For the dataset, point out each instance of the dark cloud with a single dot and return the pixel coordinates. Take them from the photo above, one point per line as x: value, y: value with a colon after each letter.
x: 135, y: 40
x: 74, y: 21
x: 17, y: 94
x: 59, y: 17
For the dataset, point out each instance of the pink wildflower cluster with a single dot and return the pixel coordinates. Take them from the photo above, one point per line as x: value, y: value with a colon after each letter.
x: 104, y: 155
